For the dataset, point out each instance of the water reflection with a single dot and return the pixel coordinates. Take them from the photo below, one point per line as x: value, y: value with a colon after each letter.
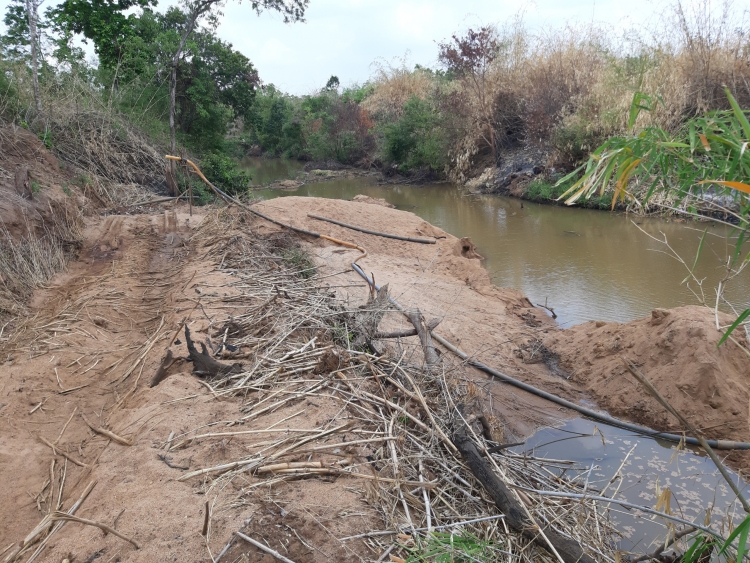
x: 587, y: 265
x: 693, y: 479
x: 264, y: 171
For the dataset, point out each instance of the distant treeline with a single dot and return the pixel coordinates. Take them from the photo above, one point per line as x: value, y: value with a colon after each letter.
x: 563, y: 91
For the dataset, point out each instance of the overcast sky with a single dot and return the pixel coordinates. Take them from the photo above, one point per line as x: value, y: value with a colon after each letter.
x: 344, y: 37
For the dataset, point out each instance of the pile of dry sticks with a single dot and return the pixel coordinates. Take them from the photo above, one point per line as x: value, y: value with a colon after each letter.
x: 415, y: 445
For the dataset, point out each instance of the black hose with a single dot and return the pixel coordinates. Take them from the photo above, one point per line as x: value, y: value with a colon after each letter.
x: 588, y: 413
x: 369, y: 232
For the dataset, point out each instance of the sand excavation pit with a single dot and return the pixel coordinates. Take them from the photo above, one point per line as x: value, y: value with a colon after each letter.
x: 313, y: 449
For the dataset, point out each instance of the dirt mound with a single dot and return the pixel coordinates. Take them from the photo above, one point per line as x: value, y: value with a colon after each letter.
x: 40, y: 218
x: 677, y: 350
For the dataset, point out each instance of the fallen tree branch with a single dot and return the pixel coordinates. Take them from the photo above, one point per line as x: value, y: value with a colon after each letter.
x: 397, y: 334
x: 203, y: 364
x: 423, y: 331
x: 515, y: 516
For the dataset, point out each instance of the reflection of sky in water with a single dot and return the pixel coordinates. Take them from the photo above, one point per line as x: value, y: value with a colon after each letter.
x: 587, y: 265
x: 693, y: 479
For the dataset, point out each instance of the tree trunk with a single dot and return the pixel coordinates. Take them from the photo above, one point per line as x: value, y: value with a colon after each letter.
x: 197, y: 12
x: 515, y: 515
x: 31, y: 12
x: 172, y: 103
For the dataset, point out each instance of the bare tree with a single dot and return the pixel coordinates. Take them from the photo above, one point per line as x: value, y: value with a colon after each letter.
x: 32, y: 12
x: 470, y: 57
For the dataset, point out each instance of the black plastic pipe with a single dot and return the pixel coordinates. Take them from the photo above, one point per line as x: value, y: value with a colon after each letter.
x: 588, y: 413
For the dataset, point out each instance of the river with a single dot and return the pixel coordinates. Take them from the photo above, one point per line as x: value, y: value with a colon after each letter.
x: 586, y: 264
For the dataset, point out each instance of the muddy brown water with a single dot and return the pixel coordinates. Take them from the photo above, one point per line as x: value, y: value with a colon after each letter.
x: 600, y: 450
x: 587, y: 265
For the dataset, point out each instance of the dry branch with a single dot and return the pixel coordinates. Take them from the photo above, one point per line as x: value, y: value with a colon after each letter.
x: 515, y: 515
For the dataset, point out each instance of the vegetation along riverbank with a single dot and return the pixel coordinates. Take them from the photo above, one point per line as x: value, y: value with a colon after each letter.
x: 191, y: 373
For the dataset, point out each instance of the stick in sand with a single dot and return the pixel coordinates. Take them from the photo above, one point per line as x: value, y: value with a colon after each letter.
x: 62, y: 453
x: 70, y: 518
x: 104, y: 432
x: 262, y: 547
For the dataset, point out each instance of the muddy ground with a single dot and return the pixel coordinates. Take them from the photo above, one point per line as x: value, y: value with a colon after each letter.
x: 83, y: 357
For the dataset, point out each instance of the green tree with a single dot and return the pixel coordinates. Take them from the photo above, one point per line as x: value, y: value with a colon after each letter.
x: 416, y: 140
x: 103, y: 22
x: 292, y: 11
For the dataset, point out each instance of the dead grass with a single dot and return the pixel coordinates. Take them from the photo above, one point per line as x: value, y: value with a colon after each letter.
x: 388, y: 441
x: 568, y: 88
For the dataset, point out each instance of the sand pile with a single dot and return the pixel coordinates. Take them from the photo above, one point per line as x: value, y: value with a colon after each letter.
x: 677, y: 350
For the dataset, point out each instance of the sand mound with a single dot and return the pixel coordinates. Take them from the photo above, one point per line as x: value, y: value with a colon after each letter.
x: 677, y: 350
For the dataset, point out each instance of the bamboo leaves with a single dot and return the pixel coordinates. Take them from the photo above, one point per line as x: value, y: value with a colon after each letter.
x: 670, y: 162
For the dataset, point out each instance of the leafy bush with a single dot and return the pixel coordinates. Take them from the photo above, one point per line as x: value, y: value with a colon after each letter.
x: 416, y: 139
x: 224, y: 173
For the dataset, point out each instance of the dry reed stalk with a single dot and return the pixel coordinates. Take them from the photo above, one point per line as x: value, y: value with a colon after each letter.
x: 33, y: 536
x: 65, y: 517
x: 265, y: 548
x: 57, y: 451
x: 287, y: 328
x: 104, y: 432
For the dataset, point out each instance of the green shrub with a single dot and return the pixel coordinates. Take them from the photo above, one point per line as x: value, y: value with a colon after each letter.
x: 46, y: 138
x: 224, y: 173
x: 416, y: 140
x: 300, y: 261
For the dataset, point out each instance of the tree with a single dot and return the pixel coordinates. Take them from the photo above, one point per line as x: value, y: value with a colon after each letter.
x: 470, y: 58
x: 15, y: 41
x: 291, y: 10
x: 101, y: 21
x: 32, y: 11
x: 22, y: 23
x: 333, y: 83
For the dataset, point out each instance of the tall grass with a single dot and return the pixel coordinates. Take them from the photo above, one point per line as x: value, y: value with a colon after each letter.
x: 568, y: 89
